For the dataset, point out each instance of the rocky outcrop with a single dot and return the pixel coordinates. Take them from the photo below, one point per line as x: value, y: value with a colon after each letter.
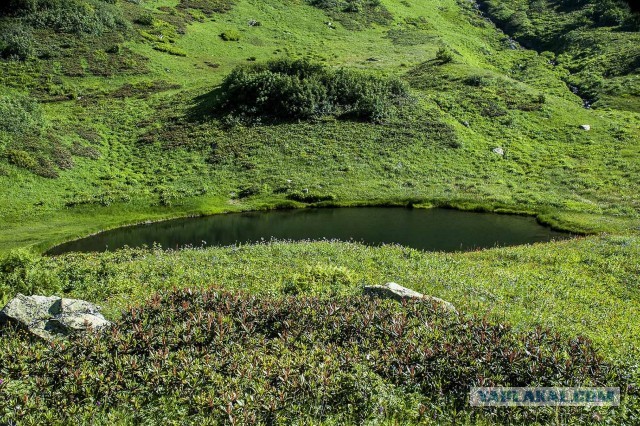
x: 47, y: 317
x: 399, y: 293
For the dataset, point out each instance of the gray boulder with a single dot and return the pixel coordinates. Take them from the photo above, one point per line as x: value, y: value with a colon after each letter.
x: 585, y: 127
x: 498, y: 151
x: 47, y: 317
x: 397, y: 292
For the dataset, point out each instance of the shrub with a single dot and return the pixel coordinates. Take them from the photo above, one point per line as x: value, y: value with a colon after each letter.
x: 62, y: 157
x: 20, y: 114
x: 444, y: 55
x: 299, y: 89
x: 233, y: 358
x: 146, y: 19
x: 167, y: 48
x: 21, y: 159
x: 231, y: 35
x: 16, y: 42
x: 310, y: 197
x: 77, y: 17
x: 355, y: 13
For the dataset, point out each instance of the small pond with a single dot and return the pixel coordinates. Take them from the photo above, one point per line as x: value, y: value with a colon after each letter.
x: 424, y: 229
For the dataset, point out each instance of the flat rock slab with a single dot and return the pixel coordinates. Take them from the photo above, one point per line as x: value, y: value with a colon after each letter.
x: 47, y: 317
x: 397, y: 292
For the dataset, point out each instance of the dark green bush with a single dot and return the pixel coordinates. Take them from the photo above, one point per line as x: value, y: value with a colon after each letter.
x: 20, y: 114
x: 22, y: 159
x: 74, y: 16
x: 310, y: 197
x: 16, y: 42
x: 444, y: 55
x: 300, y: 89
x: 232, y: 358
x: 230, y: 35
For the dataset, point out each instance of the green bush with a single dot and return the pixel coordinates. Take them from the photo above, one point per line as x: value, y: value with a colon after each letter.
x: 167, y: 48
x: 231, y: 35
x: 16, y: 42
x: 444, y: 55
x: 299, y: 89
x: 76, y: 16
x: 310, y: 197
x: 14, y: 271
x: 20, y: 114
x: 21, y: 159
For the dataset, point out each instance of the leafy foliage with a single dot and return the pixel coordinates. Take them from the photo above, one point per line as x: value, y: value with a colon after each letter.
x: 239, y: 359
x: 16, y: 42
x: 20, y: 114
x: 300, y: 89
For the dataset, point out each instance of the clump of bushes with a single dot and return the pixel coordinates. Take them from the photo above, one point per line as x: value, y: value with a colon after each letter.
x: 16, y: 42
x: 234, y: 358
x: 299, y: 89
x: 444, y: 55
x: 170, y: 49
x: 20, y: 114
x: 230, y: 35
x: 309, y: 197
x: 72, y: 16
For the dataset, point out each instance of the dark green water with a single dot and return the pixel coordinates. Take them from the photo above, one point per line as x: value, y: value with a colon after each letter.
x: 434, y: 229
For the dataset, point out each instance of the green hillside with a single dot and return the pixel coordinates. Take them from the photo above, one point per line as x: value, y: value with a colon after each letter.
x: 115, y: 112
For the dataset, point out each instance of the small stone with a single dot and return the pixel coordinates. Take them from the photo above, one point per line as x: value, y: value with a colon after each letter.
x: 498, y: 151
x: 585, y: 127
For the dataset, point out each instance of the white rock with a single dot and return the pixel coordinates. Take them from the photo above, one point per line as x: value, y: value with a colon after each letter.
x: 395, y: 291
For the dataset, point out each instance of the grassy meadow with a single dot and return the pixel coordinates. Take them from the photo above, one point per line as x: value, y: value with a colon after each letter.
x: 110, y: 115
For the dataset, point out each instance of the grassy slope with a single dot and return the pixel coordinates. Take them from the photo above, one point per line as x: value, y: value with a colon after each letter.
x: 551, y: 166
x: 578, y: 180
x: 584, y: 181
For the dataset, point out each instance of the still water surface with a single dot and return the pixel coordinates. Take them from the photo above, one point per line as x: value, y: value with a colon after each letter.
x: 433, y: 229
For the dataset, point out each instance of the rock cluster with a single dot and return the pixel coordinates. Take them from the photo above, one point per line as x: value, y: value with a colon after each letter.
x: 47, y: 317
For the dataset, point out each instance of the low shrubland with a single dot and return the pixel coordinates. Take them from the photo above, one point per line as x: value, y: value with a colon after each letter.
x: 233, y: 358
x: 299, y: 89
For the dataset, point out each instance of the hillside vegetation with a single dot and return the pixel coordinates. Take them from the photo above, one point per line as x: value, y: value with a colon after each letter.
x: 115, y: 112
x: 597, y: 41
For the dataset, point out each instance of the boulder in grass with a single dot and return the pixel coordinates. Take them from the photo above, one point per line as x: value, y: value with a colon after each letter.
x: 47, y: 317
x: 399, y: 293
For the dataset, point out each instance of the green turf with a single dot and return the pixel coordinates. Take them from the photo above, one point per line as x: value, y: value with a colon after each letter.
x: 127, y: 126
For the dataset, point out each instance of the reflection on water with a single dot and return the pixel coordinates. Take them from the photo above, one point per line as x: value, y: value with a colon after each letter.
x: 434, y: 229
